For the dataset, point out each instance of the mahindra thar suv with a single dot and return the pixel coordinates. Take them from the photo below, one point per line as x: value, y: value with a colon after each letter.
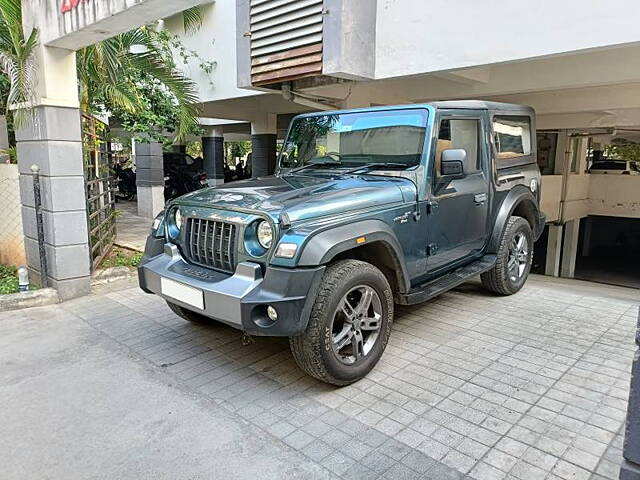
x: 368, y: 208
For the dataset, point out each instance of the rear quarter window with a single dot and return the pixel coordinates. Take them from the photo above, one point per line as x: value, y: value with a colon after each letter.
x: 512, y: 138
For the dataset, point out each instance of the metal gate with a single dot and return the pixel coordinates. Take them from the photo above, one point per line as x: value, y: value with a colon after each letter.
x: 99, y: 188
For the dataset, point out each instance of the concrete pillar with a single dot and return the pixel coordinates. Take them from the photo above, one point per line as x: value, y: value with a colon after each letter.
x: 570, y: 248
x: 53, y: 141
x: 264, y: 134
x: 149, y: 179
x: 554, y: 250
x: 213, y: 155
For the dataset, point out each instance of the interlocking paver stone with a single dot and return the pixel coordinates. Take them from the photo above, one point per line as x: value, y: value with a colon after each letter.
x: 528, y: 386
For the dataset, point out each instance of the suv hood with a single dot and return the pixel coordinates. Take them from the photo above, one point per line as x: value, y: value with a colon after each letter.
x: 304, y: 197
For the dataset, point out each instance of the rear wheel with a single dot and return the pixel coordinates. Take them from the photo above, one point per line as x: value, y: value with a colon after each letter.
x: 188, y: 315
x: 513, y: 259
x: 349, y: 324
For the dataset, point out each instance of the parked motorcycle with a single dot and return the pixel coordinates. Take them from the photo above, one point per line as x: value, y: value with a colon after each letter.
x: 125, y: 181
x: 183, y: 174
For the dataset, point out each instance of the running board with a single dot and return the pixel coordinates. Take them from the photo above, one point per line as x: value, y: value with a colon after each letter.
x: 451, y: 280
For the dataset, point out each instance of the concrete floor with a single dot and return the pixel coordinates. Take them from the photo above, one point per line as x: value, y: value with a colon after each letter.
x: 532, y: 386
x: 78, y: 405
x: 131, y: 229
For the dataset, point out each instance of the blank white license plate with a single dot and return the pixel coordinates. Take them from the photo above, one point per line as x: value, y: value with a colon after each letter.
x: 181, y: 292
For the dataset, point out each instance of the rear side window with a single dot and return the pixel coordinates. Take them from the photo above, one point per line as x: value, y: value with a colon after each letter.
x: 512, y: 138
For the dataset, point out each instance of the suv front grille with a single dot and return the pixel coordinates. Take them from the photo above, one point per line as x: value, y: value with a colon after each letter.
x: 211, y: 243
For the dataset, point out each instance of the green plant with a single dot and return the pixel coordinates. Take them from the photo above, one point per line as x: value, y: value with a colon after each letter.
x: 121, y: 257
x: 17, y: 60
x: 11, y: 152
x: 133, y: 76
x: 9, y: 280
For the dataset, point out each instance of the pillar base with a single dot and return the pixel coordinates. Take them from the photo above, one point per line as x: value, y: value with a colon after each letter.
x: 150, y: 200
x: 213, y: 156
x: 71, y: 288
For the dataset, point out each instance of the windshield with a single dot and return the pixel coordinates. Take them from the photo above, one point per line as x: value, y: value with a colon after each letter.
x: 349, y: 140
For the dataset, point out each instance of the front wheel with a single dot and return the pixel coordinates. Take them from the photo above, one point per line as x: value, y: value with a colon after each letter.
x: 349, y: 325
x: 513, y: 259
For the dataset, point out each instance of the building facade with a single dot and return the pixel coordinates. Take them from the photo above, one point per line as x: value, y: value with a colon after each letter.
x: 577, y: 63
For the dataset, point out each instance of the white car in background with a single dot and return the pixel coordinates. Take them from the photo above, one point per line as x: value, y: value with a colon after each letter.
x: 615, y: 167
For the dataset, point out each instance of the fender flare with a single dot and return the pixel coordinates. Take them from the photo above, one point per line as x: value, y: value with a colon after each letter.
x: 325, y: 245
x: 517, y: 196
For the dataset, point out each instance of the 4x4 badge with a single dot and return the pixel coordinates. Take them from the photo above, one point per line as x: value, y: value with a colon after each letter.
x: 404, y: 218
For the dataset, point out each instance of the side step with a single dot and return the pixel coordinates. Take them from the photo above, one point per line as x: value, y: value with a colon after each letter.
x: 451, y: 280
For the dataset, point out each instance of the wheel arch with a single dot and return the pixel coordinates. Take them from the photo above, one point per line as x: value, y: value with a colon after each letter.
x: 372, y: 241
x: 518, y: 202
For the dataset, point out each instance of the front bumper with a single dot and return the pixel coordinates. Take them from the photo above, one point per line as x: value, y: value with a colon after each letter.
x: 239, y: 300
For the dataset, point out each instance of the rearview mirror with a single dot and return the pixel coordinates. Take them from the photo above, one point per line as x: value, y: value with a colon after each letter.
x: 453, y: 160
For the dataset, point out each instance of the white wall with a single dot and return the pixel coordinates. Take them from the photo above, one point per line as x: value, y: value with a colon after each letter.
x: 216, y: 41
x: 418, y: 36
x: 615, y: 195
x: 76, y: 24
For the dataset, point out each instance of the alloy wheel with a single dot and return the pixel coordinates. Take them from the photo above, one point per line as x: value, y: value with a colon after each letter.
x: 518, y: 256
x: 356, y: 324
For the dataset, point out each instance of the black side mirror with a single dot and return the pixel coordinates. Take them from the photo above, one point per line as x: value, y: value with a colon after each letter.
x: 453, y: 160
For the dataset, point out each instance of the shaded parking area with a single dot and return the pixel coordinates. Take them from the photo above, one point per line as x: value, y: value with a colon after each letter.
x: 532, y: 386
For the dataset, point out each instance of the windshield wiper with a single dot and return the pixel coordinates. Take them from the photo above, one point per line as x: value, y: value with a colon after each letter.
x: 376, y: 165
x: 331, y: 163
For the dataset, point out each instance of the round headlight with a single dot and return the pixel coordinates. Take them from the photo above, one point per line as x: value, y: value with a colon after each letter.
x: 265, y: 234
x: 177, y: 219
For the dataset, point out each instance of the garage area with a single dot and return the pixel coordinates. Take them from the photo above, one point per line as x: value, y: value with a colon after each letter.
x: 609, y: 250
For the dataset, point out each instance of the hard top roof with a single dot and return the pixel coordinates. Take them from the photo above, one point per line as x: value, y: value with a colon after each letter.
x: 480, y: 104
x: 452, y: 104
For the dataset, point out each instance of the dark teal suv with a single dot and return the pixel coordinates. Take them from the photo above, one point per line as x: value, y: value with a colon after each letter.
x: 368, y: 208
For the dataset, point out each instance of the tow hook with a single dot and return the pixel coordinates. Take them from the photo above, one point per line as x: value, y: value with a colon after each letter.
x: 247, y: 339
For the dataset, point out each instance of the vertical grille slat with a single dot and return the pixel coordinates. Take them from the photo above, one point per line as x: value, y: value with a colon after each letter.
x: 211, y: 243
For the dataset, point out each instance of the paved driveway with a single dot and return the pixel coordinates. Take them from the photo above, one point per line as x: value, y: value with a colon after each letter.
x: 532, y: 386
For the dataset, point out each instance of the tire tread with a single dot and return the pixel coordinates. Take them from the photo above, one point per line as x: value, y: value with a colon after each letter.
x: 306, y: 348
x: 495, y: 279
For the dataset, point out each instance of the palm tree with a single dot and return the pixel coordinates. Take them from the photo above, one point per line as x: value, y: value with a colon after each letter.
x: 108, y: 72
x: 17, y: 61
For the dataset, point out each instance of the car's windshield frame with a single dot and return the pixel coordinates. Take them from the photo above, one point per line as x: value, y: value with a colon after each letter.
x: 366, y: 125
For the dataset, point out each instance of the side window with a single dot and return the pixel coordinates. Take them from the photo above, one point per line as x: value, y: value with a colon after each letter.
x: 459, y: 133
x: 512, y: 136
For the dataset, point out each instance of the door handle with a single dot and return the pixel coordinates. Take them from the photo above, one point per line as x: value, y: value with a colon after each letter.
x: 480, y: 198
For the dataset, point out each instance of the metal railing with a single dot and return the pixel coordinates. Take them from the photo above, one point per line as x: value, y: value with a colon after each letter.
x: 99, y: 188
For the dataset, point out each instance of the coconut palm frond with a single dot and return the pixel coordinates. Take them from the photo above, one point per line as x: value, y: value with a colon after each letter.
x: 17, y: 60
x: 192, y: 19
x: 182, y: 88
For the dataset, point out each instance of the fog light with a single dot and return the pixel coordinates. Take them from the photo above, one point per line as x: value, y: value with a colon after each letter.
x: 272, y: 313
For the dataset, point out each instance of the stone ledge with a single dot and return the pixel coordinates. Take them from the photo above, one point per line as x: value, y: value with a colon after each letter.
x: 35, y: 298
x: 112, y: 274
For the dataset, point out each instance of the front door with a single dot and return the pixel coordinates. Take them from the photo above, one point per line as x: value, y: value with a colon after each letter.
x: 457, y: 226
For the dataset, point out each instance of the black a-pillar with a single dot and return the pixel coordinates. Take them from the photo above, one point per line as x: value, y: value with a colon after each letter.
x: 213, y: 155
x: 263, y: 145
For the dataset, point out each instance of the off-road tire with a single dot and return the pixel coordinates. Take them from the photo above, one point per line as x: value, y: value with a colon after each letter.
x: 187, y: 314
x: 497, y: 279
x: 312, y: 350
